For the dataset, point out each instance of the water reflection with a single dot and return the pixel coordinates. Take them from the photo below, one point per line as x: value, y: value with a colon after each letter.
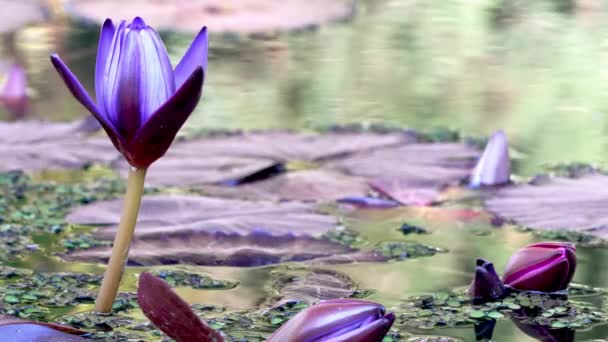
x: 484, y: 331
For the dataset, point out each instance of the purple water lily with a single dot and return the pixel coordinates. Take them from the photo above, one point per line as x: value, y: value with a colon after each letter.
x: 14, y: 93
x: 141, y: 100
x: 487, y: 284
x: 337, y: 320
x: 543, y: 266
x: 494, y: 166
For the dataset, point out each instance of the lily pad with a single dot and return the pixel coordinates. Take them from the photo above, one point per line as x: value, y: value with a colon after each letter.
x: 222, y: 159
x: 310, y: 287
x: 412, y: 173
x: 211, y: 231
x: 575, y: 204
x: 228, y: 16
x: 254, y: 249
x: 305, y: 185
x: 180, y: 215
x: 36, y: 146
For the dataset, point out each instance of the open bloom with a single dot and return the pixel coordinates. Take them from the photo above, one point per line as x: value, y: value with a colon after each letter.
x: 494, y: 166
x: 141, y: 100
x: 543, y: 266
x: 338, y: 320
x: 487, y: 284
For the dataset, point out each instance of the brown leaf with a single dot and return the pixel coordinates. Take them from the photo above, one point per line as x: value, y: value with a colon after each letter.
x: 170, y: 313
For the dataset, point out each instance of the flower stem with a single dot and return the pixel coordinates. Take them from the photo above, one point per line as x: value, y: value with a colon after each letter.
x: 122, y: 241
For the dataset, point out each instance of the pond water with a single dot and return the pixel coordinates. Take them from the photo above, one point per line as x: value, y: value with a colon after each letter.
x: 540, y: 76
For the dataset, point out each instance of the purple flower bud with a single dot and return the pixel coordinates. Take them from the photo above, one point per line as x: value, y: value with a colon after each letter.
x: 487, y: 284
x: 14, y: 93
x: 494, y: 166
x: 141, y: 100
x: 338, y: 320
x: 543, y: 266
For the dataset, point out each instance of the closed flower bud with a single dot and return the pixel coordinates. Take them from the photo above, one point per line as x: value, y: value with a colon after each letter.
x: 543, y: 266
x: 142, y: 101
x: 339, y: 320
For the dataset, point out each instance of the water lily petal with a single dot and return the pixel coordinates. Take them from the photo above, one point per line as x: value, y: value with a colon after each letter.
x: 128, y: 90
x: 158, y: 132
x: 494, y: 166
x: 371, y: 332
x: 158, y: 84
x: 194, y: 57
x: 103, y: 51
x: 111, y: 72
x: 83, y: 97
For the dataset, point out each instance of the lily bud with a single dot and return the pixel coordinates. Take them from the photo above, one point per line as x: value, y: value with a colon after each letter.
x: 338, y: 320
x: 141, y: 100
x: 494, y: 166
x: 487, y: 284
x: 543, y: 266
x: 14, y: 92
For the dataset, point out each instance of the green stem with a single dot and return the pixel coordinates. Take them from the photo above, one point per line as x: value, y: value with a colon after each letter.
x: 122, y: 241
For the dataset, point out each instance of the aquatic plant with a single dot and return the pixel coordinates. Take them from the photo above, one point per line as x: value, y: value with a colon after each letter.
x: 141, y: 103
x: 335, y: 321
x: 487, y: 284
x: 543, y: 266
x: 494, y: 166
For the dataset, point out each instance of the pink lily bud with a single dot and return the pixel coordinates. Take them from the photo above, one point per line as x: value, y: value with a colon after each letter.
x: 543, y: 266
x: 338, y: 320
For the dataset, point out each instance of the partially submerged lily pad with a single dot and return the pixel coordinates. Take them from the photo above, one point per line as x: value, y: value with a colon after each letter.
x: 254, y: 249
x: 227, y: 16
x: 221, y: 159
x: 180, y: 215
x: 412, y: 173
x: 576, y: 204
x: 33, y: 146
x: 212, y: 231
x: 305, y: 185
x: 310, y: 286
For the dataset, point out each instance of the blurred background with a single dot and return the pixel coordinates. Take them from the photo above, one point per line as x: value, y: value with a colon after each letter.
x: 534, y: 68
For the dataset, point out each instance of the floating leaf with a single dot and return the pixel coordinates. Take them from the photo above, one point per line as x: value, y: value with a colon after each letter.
x: 559, y: 203
x: 35, y: 146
